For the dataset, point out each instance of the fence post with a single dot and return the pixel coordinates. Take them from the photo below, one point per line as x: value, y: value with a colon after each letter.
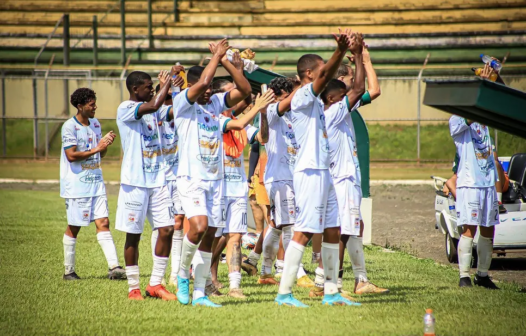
x: 150, y: 36
x: 66, y: 63
x: 4, y: 136
x: 123, y: 33
x: 46, y: 106
x: 95, y: 41
x: 35, y: 114
x: 418, y: 109
x: 175, y: 11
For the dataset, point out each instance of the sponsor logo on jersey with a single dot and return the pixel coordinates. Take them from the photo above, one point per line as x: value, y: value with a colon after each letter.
x: 150, y: 137
x: 212, y: 145
x: 85, y: 215
x: 132, y: 217
x: 208, y: 158
x: 474, y: 214
x: 132, y: 205
x: 91, y: 178
x: 232, y: 177
x: 196, y: 202
x: 84, y: 204
x: 207, y: 128
x: 168, y: 136
x: 90, y: 165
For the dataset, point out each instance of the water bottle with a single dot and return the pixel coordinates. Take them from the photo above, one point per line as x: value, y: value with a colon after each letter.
x: 496, y: 65
x: 429, y: 323
x: 451, y: 203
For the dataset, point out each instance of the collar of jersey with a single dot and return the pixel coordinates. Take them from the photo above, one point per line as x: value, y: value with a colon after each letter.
x: 78, y: 122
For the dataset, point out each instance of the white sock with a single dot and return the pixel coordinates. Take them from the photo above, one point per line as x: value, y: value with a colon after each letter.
x: 177, y: 245
x: 465, y: 249
x: 287, y: 236
x: 319, y: 279
x: 187, y: 254
x: 235, y: 279
x: 132, y: 273
x: 155, y: 234
x: 159, y: 267
x: 202, y: 262
x: 253, y: 258
x: 499, y: 196
x: 301, y: 271
x: 293, y: 256
x: 279, y: 266
x: 108, y: 247
x: 485, y: 254
x: 331, y: 262
x: 69, y: 254
x: 269, y: 250
x: 355, y: 250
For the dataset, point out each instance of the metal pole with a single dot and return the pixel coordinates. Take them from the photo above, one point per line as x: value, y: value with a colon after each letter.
x: 35, y: 121
x: 150, y: 36
x: 95, y: 41
x: 66, y: 63
x: 175, y: 10
x: 418, y: 109
x: 46, y: 106
x: 123, y: 33
x: 496, y: 141
x: 4, y: 136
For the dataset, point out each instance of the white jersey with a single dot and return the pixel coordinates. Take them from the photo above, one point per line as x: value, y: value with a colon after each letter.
x: 476, y: 168
x: 281, y: 146
x: 235, y: 178
x: 200, y: 129
x: 342, y: 144
x: 169, y: 143
x: 81, y: 178
x: 143, y: 163
x: 308, y: 120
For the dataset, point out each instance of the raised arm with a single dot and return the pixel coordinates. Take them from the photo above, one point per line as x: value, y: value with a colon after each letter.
x: 262, y: 136
x: 284, y: 105
x: 158, y: 100
x: 329, y: 70
x: 260, y: 104
x: 358, y: 89
x: 177, y: 82
x: 372, y: 80
x: 243, y: 88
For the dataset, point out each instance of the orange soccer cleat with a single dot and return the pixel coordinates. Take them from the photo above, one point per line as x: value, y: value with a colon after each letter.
x: 160, y: 292
x: 135, y: 295
x: 267, y: 279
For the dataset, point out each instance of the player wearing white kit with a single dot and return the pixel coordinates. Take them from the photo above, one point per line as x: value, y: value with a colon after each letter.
x: 143, y: 193
x: 316, y: 204
x: 477, y: 203
x: 81, y: 182
x: 200, y: 173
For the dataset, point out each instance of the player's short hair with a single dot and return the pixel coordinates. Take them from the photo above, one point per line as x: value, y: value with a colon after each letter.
x: 82, y: 96
x: 343, y: 70
x: 333, y: 85
x: 280, y: 85
x: 194, y: 73
x: 295, y: 82
x: 307, y: 61
x: 136, y: 78
x: 219, y: 84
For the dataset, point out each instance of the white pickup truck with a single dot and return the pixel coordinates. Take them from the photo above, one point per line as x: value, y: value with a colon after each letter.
x: 510, y: 234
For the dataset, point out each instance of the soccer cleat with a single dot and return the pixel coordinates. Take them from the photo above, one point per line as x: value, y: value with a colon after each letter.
x: 338, y: 300
x: 160, y: 292
x: 465, y: 282
x: 135, y: 295
x: 173, y: 281
x: 249, y: 268
x: 183, y: 290
x: 369, y: 288
x: 316, y: 292
x: 305, y: 282
x: 484, y: 281
x: 205, y: 302
x: 347, y: 295
x: 117, y: 273
x: 502, y: 209
x: 218, y: 285
x: 267, y: 279
x: 71, y: 276
x: 237, y: 293
x: 289, y: 300
x: 211, y: 290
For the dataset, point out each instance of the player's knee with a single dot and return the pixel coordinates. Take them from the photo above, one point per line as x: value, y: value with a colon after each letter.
x: 103, y: 223
x: 166, y: 232
x: 469, y: 230
x: 132, y: 240
x: 487, y: 232
x: 179, y: 219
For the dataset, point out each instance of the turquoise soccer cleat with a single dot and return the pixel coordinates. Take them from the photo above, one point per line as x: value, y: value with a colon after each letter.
x: 205, y: 302
x: 338, y: 300
x: 289, y: 300
x: 183, y: 290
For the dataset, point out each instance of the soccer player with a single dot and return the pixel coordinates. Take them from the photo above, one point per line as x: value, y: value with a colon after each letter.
x: 477, y: 204
x: 316, y: 204
x: 143, y: 192
x: 81, y: 182
x: 200, y: 174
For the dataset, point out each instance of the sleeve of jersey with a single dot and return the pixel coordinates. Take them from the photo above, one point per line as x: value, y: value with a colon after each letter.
x: 272, y: 113
x: 366, y: 99
x: 181, y: 104
x: 164, y: 113
x: 251, y: 133
x: 223, y: 121
x: 98, y: 127
x: 69, y: 135
x: 457, y: 125
x: 127, y: 111
x: 337, y: 112
x: 303, y: 99
x: 219, y: 103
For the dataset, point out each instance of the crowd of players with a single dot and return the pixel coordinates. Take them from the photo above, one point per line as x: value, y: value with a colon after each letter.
x: 183, y: 156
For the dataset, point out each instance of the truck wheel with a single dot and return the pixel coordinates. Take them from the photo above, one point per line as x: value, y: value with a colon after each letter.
x: 451, y: 249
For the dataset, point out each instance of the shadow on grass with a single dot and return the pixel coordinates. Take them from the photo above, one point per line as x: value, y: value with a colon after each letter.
x: 508, y: 264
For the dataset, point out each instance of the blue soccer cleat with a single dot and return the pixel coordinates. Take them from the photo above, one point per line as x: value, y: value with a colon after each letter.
x: 289, y: 300
x: 183, y: 290
x: 338, y: 300
x: 205, y: 302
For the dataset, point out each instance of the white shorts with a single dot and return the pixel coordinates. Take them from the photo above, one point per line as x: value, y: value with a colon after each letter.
x: 135, y: 204
x: 82, y: 211
x: 316, y: 203
x: 349, y: 196
x: 477, y: 206
x: 235, y: 215
x: 202, y: 198
x: 282, y: 202
x: 174, y: 195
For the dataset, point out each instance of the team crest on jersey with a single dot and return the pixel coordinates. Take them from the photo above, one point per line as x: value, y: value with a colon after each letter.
x: 474, y: 214
x: 85, y: 215
x: 131, y: 217
x: 207, y: 119
x: 150, y: 128
x: 172, y: 124
x: 289, y: 126
x: 96, y: 125
x: 196, y: 202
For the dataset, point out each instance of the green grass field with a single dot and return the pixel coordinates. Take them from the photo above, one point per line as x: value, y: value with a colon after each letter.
x: 36, y: 301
